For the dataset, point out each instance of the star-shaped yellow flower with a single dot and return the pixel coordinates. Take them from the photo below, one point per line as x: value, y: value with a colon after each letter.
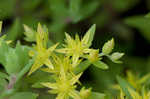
x: 64, y: 86
x: 76, y: 47
x: 40, y: 53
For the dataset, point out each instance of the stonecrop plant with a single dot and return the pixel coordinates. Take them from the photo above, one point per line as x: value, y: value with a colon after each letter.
x: 53, y: 67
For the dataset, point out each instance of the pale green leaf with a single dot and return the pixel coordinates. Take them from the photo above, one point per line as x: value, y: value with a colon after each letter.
x: 88, y: 37
x: 96, y: 95
x: 100, y: 65
x: 108, y: 47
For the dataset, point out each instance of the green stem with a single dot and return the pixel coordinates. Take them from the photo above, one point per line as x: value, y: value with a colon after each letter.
x: 24, y: 70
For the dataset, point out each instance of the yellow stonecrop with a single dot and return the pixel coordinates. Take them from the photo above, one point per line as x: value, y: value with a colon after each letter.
x: 77, y: 47
x: 135, y: 81
x: 64, y: 86
x: 40, y: 53
x: 135, y: 95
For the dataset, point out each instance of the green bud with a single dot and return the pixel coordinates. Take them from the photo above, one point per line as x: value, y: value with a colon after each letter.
x: 108, y: 47
x: 85, y: 93
x: 94, y: 55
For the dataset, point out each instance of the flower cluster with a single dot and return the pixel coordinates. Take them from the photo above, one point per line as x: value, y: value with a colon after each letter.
x: 61, y: 63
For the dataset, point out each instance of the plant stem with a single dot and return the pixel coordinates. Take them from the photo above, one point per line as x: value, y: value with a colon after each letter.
x: 24, y: 70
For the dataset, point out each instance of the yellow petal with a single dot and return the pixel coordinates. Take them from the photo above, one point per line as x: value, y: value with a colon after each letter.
x: 134, y: 94
x: 61, y: 96
x: 75, y: 79
x: 48, y: 63
x: 74, y: 95
x: 62, y: 50
x: 34, y: 67
x: 75, y: 59
x: 49, y: 70
x: 50, y: 85
x: 53, y: 47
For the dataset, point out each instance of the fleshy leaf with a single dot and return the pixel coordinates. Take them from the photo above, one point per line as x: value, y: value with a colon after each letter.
x: 96, y: 95
x: 29, y: 33
x: 108, y: 47
x: 88, y: 37
x: 100, y: 65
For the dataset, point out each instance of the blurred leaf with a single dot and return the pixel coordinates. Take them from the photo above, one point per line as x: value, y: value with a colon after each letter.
x: 30, y: 6
x: 141, y: 23
x: 3, y: 75
x: 74, y: 9
x: 6, y: 8
x: 24, y: 95
x: 124, y: 86
x: 3, y: 50
x: 15, y: 30
x: 96, y: 95
x: 100, y: 65
x: 88, y: 9
x: 124, y: 5
x: 3, y: 84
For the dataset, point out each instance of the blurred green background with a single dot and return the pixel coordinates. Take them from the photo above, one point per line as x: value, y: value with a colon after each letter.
x: 125, y: 20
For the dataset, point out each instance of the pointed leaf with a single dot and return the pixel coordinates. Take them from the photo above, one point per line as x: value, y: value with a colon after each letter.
x: 100, y: 65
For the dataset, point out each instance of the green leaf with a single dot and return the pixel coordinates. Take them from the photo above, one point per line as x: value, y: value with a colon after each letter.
x: 29, y: 33
x: 96, y: 95
x: 3, y: 75
x: 123, y: 5
x: 148, y: 15
x: 38, y: 77
x: 108, y: 47
x: 15, y: 30
x: 141, y: 23
x: 3, y: 50
x: 6, y: 8
x: 124, y: 86
x: 116, y: 56
x: 24, y: 95
x: 16, y: 58
x: 74, y: 10
x: 91, y: 6
x: 88, y: 37
x: 82, y: 66
x: 3, y: 84
x: 100, y: 65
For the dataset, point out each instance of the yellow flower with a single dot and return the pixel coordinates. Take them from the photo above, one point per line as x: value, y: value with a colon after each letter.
x: 40, y: 53
x: 58, y: 62
x: 78, y: 48
x: 135, y: 81
x: 64, y: 86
